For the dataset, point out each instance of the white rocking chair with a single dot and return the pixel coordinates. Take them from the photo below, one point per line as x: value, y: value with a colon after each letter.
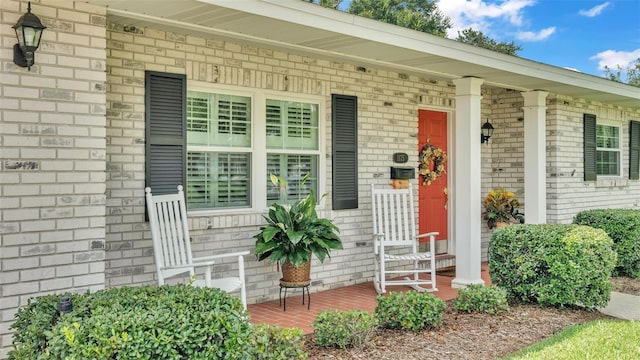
x: 172, y: 246
x: 396, y: 242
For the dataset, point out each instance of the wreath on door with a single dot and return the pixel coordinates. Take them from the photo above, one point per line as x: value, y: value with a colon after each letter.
x: 432, y: 161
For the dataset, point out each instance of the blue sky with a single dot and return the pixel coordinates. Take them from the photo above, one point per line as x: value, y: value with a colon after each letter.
x: 584, y: 35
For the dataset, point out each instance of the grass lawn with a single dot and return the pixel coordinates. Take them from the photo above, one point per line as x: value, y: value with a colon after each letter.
x: 594, y: 340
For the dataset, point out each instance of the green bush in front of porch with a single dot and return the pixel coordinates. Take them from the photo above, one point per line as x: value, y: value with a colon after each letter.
x: 623, y: 226
x: 553, y: 265
x: 343, y: 329
x: 481, y: 299
x: 410, y: 310
x: 148, y: 322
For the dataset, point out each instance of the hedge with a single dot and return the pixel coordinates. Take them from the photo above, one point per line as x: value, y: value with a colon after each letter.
x: 409, y: 310
x: 553, y: 265
x: 623, y: 226
x: 148, y: 322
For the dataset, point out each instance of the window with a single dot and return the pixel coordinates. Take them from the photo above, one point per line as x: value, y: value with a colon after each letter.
x: 233, y: 139
x: 218, y: 150
x: 223, y: 143
x: 601, y: 148
x: 607, y: 150
x: 292, y: 148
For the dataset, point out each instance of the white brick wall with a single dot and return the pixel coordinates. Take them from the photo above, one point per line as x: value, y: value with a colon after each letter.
x: 567, y: 192
x: 388, y: 104
x: 72, y: 141
x: 503, y: 156
x: 52, y: 135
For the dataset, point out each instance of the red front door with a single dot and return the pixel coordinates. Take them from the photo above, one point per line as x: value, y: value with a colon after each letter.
x: 433, y: 198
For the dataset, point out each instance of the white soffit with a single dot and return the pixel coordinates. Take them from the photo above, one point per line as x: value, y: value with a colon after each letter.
x: 313, y: 30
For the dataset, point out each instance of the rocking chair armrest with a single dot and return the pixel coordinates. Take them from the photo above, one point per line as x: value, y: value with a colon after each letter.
x: 176, y: 267
x: 429, y: 234
x: 377, y: 242
x: 208, y: 260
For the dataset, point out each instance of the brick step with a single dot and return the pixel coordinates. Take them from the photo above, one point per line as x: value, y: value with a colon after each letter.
x: 445, y: 261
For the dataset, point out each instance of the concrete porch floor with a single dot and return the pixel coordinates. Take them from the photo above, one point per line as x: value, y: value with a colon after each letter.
x: 355, y: 297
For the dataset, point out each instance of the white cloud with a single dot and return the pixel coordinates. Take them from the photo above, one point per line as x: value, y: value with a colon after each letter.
x: 480, y: 14
x: 613, y: 58
x: 594, y: 11
x: 536, y: 36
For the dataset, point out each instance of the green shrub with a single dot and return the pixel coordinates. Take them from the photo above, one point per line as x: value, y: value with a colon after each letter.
x: 167, y: 322
x: 479, y: 298
x: 409, y: 310
x: 342, y: 329
x: 275, y: 343
x: 553, y: 265
x: 623, y: 226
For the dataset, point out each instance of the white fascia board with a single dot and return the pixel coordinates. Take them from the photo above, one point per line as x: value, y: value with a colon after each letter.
x: 315, y: 16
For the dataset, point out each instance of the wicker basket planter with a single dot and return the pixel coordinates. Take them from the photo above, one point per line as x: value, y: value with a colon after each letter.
x: 296, y: 275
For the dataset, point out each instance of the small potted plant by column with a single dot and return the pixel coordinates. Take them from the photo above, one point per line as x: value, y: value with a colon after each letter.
x: 293, y: 234
x: 501, y: 209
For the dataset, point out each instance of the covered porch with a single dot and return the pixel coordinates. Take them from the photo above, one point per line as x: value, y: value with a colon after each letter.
x: 355, y: 297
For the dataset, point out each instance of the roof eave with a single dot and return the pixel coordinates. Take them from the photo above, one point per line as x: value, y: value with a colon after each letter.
x: 338, y: 35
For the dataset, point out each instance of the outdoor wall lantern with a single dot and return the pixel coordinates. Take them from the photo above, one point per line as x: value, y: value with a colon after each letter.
x: 487, y: 131
x: 28, y: 31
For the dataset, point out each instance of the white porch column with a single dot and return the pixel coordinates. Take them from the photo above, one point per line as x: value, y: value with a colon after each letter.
x: 535, y: 172
x: 466, y: 182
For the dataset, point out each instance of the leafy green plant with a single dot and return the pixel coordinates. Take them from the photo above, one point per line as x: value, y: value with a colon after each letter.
x: 167, y: 322
x: 483, y: 299
x: 275, y: 343
x: 623, y: 226
x: 342, y: 329
x: 409, y: 310
x: 296, y: 232
x: 553, y: 265
x: 501, y: 206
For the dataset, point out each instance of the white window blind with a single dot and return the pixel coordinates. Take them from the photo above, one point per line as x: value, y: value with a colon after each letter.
x: 218, y: 119
x: 607, y: 150
x: 291, y: 125
x: 218, y: 180
x: 293, y: 168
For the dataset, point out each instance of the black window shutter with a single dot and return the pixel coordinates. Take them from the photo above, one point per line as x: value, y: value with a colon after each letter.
x: 344, y: 130
x: 634, y: 150
x: 590, y: 172
x: 165, y: 109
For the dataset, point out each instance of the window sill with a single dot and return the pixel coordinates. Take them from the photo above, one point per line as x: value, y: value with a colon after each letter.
x: 612, y: 182
x: 206, y: 219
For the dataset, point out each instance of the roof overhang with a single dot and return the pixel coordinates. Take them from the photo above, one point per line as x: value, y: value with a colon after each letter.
x: 316, y: 31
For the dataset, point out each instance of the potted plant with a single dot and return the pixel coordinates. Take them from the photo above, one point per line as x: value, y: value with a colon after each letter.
x: 501, y: 206
x: 293, y: 233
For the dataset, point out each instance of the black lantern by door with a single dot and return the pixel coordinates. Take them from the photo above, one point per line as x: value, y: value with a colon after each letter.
x: 487, y: 131
x: 28, y: 31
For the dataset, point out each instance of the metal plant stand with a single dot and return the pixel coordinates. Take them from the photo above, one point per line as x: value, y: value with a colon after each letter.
x: 284, y: 285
